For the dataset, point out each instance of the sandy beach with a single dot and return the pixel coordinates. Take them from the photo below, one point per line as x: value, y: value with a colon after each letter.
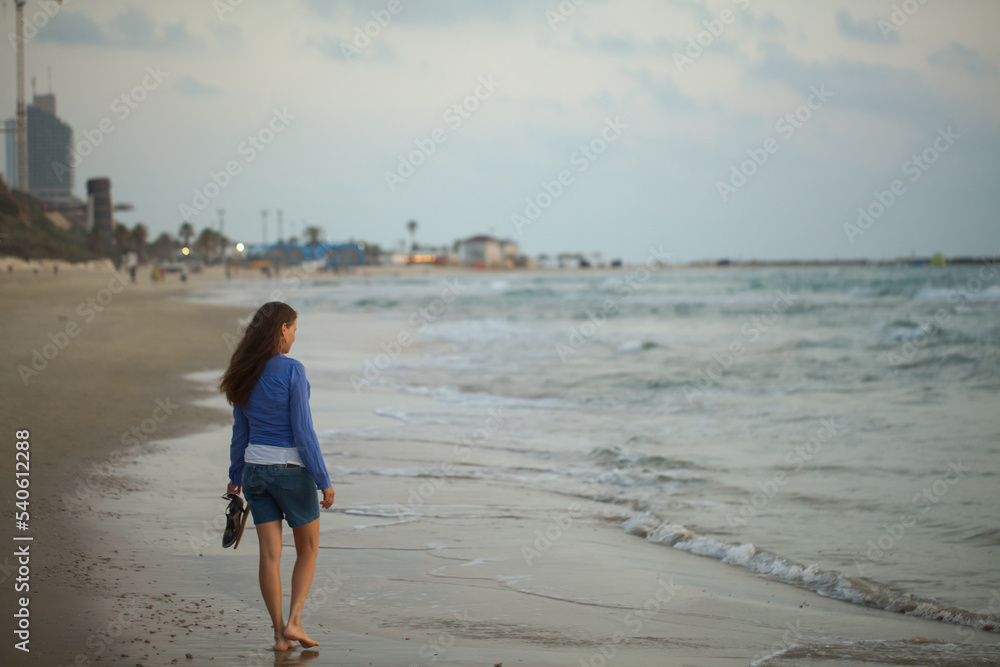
x: 88, y: 359
x: 129, y: 452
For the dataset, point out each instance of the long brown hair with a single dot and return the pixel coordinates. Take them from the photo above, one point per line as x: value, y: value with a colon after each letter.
x: 261, y: 341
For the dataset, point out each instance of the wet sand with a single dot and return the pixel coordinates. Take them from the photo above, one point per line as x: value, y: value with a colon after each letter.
x: 132, y: 571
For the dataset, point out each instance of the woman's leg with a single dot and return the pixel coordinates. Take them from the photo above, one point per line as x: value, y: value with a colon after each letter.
x: 269, y: 536
x: 306, y: 548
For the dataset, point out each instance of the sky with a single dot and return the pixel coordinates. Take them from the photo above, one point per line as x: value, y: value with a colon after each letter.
x: 744, y: 129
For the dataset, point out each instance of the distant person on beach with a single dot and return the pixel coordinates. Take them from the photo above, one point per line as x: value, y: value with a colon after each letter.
x: 132, y: 259
x: 275, y: 454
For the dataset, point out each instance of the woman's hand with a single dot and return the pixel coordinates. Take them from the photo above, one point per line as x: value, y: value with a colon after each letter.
x: 234, y: 488
x: 327, y: 498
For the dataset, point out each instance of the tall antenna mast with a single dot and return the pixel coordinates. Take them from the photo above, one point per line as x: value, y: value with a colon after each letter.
x: 22, y: 114
x: 222, y: 222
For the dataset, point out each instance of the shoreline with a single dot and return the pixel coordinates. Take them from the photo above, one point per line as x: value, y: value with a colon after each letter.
x: 452, y: 589
x: 21, y: 267
x: 451, y: 586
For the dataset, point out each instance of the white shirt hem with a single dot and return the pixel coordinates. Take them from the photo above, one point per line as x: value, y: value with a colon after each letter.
x: 270, y: 455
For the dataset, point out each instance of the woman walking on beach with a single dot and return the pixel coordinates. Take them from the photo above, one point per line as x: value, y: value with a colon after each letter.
x: 275, y: 454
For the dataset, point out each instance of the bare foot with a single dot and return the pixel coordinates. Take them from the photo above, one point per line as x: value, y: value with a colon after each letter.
x: 282, y: 643
x: 296, y: 633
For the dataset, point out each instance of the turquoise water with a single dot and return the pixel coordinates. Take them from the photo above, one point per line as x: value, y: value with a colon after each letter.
x: 836, y: 429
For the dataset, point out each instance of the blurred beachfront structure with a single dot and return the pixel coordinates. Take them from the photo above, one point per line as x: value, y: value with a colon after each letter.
x: 488, y: 252
x: 100, y: 212
x: 480, y: 251
x: 50, y: 141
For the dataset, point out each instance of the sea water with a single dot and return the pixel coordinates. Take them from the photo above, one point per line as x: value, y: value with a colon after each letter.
x: 833, y: 428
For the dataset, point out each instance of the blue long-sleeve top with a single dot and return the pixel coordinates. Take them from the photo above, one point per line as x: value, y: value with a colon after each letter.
x: 277, y: 414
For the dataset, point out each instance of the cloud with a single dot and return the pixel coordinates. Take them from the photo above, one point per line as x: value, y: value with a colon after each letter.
x: 344, y: 51
x: 960, y: 57
x: 133, y: 29
x: 663, y: 90
x: 864, y: 30
x: 328, y: 46
x: 415, y: 11
x: 671, y: 47
x: 606, y: 43
x: 871, y: 88
x: 767, y: 23
x: 227, y: 34
x: 136, y: 29
x: 71, y: 28
x: 696, y: 9
x: 188, y: 85
x: 603, y: 100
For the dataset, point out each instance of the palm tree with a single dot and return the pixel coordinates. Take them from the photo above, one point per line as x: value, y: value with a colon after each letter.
x: 96, y: 241
x: 314, y: 234
x: 186, y: 232
x: 163, y: 247
x: 411, y: 227
x: 121, y: 236
x: 140, y: 234
x: 208, y: 241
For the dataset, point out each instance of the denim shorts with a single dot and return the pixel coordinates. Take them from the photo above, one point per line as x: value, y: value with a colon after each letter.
x: 275, y: 492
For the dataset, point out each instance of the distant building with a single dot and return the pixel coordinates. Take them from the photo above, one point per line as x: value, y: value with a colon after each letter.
x: 10, y: 141
x: 571, y: 260
x: 427, y: 254
x: 480, y: 250
x: 509, y: 249
x: 46, y: 103
x: 50, y: 142
x: 100, y: 212
x: 489, y: 252
x: 546, y: 261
